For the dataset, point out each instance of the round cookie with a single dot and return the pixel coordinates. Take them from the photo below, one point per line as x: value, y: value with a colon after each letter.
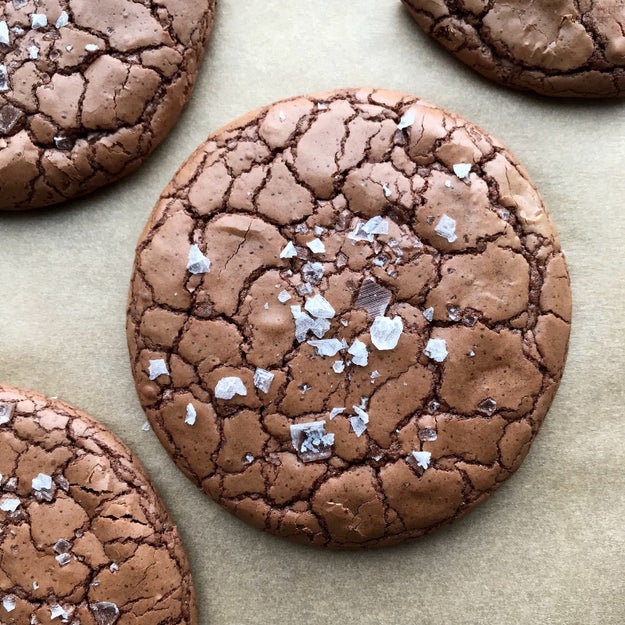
x: 348, y: 316
x: 85, y: 538
x: 87, y: 93
x: 557, y: 47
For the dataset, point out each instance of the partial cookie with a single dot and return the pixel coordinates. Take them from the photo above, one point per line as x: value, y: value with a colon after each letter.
x: 348, y: 317
x: 84, y: 536
x: 557, y: 48
x: 88, y: 90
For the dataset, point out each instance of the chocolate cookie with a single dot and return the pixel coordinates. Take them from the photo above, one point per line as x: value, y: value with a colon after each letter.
x: 84, y: 537
x: 557, y: 47
x: 348, y: 317
x: 88, y: 90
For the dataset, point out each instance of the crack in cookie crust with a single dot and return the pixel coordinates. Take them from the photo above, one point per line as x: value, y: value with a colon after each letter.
x: 566, y: 48
x: 324, y: 196
x: 85, y: 95
x: 84, y: 538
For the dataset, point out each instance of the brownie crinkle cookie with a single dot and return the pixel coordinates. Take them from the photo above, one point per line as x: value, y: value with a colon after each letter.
x: 89, y: 88
x: 553, y: 47
x: 84, y: 537
x: 348, y: 317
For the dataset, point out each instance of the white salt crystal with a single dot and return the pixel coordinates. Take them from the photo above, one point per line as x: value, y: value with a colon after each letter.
x: 92, y: 47
x: 428, y: 313
x: 63, y: 20
x: 462, y: 170
x: 338, y: 366
x: 359, y: 353
x: 385, y: 332
x: 8, y: 603
x: 318, y: 306
x: 33, y: 52
x: 197, y: 262
x: 263, y: 379
x: 316, y: 246
x: 38, y: 20
x: 407, y: 119
x: 190, y: 415
x: 228, y: 387
x: 436, y: 349
x: 284, y: 296
x: 4, y: 33
x: 336, y: 411
x: 376, y: 225
x: 423, y: 458
x: 289, y: 251
x: 42, y: 482
x: 9, y: 505
x: 446, y: 228
x: 327, y: 347
x: 358, y: 426
x: 156, y: 368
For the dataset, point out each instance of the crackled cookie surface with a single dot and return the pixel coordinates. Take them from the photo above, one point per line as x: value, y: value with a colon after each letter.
x: 348, y: 317
x: 89, y: 89
x: 554, y: 47
x: 83, y: 536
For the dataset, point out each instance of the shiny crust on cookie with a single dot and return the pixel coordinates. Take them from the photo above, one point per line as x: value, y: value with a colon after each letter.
x: 84, y: 537
x: 348, y: 316
x: 89, y: 88
x: 567, y: 48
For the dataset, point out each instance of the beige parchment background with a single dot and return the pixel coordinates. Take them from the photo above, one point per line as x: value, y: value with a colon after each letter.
x: 549, y: 547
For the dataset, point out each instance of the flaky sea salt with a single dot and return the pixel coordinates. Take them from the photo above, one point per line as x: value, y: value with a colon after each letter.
x: 336, y: 411
x: 284, y: 297
x: 4, y: 33
x: 4, y: 78
x: 311, y: 440
x: 407, y: 119
x: 56, y: 611
x: 42, y: 482
x: 338, y: 366
x: 9, y: 505
x: 326, y: 347
x: 436, y: 349
x: 385, y: 332
x: 156, y: 368
x: 446, y: 228
x: 376, y: 225
x: 38, y: 20
x: 423, y: 458
x: 373, y: 298
x: 360, y: 354
x: 318, y: 306
x: 6, y: 412
x: 8, y: 603
x: 313, y: 272
x: 387, y: 190
x: 63, y: 20
x: 197, y: 262
x: 263, y: 379
x: 359, y: 426
x: 33, y: 52
x: 462, y: 170
x: 316, y: 246
x: 230, y: 386
x: 92, y: 47
x: 104, y: 612
x: 289, y: 251
x: 190, y: 415
x: 428, y: 313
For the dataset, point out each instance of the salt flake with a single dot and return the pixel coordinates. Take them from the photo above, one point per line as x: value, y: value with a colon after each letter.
x: 407, y: 119
x: 446, y: 228
x: 6, y: 411
x: 92, y: 47
x: 4, y: 33
x: 197, y: 262
x: 376, y: 225
x: 423, y: 458
x: 462, y: 170
x: 316, y: 246
x: 311, y: 441
x: 191, y: 415
x: 359, y: 353
x: 289, y: 251
x: 4, y: 78
x: 42, y: 482
x: 57, y: 611
x: 362, y: 414
x: 428, y: 313
x: 38, y: 20
x: 436, y: 349
x: 33, y: 52
x: 327, y: 347
x: 263, y: 379
x: 157, y: 368
x: 284, y: 296
x: 63, y: 20
x: 104, y: 612
x: 358, y: 426
x: 338, y: 366
x: 8, y: 603
x: 228, y: 387
x: 385, y: 332
x: 318, y: 306
x: 9, y: 504
x: 373, y: 298
x: 336, y: 411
